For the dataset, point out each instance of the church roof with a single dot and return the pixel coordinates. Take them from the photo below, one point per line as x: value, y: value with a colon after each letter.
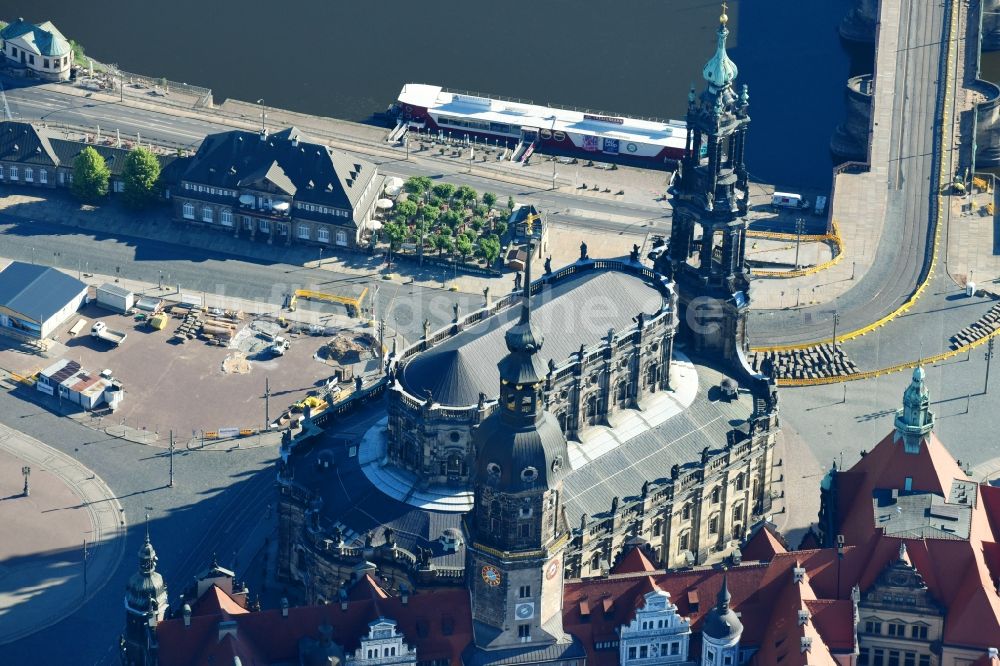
x: 720, y: 71
x: 576, y: 311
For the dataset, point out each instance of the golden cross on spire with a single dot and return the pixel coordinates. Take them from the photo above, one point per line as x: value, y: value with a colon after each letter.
x: 724, y: 19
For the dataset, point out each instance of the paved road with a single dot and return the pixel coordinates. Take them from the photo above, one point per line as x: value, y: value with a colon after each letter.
x: 904, y: 243
x: 49, y: 104
x: 902, y: 249
x: 218, y: 500
x: 197, y: 268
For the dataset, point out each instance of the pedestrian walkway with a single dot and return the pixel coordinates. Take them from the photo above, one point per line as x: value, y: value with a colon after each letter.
x: 46, y: 570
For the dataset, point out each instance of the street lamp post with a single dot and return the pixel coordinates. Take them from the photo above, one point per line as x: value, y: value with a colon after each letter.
x: 26, y: 471
x: 320, y: 264
x: 989, y: 358
x: 836, y: 320
x: 262, y: 127
x: 267, y: 403
x: 799, y: 226
x: 171, y: 458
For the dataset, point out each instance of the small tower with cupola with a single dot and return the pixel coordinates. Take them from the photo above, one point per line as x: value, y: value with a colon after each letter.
x: 145, y: 607
x: 721, y: 632
x: 517, y: 529
x: 710, y: 201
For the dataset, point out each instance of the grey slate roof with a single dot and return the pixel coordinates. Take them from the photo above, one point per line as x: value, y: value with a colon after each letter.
x: 922, y: 515
x: 25, y: 144
x: 312, y: 172
x: 650, y: 455
x: 576, y: 312
x: 37, y: 291
x: 44, y: 36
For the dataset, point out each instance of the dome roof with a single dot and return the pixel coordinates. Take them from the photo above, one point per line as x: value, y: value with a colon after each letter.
x: 720, y: 71
x: 521, y: 459
x: 721, y: 623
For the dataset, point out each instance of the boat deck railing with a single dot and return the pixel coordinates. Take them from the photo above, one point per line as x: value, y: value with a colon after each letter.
x: 577, y: 109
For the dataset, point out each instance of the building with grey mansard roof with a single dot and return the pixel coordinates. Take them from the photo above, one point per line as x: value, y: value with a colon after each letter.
x: 279, y: 188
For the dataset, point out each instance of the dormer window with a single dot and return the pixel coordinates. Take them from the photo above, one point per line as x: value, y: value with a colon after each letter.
x: 529, y: 474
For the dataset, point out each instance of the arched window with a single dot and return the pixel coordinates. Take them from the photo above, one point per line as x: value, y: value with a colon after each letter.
x: 188, y: 211
x: 716, y: 495
x: 657, y: 527
x: 29, y: 175
x: 684, y: 540
x: 43, y: 176
x: 206, y: 214
x: 740, y: 481
x: 595, y: 561
x: 686, y: 511
x: 341, y: 238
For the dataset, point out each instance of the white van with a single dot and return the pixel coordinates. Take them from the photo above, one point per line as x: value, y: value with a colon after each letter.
x: 786, y: 200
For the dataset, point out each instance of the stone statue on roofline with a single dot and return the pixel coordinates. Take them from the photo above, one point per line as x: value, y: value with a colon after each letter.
x: 583, y: 251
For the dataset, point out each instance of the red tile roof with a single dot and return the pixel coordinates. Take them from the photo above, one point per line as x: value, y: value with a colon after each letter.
x: 635, y: 561
x: 763, y: 545
x: 215, y: 601
x: 959, y: 573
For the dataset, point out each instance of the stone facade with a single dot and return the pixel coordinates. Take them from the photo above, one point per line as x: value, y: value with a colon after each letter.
x: 278, y: 188
x: 701, y: 511
x: 584, y: 390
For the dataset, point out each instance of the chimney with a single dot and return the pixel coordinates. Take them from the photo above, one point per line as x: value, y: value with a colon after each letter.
x: 803, y: 617
x: 404, y: 594
x: 806, y: 643
x: 263, y: 135
x: 295, y: 141
x: 798, y: 574
x: 343, y: 599
x: 186, y: 611
x: 284, y: 606
x: 993, y: 653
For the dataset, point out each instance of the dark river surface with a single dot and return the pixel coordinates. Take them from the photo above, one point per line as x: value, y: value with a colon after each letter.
x: 631, y: 57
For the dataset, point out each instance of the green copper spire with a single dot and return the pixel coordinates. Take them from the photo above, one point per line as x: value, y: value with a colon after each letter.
x: 720, y: 71
x: 914, y: 421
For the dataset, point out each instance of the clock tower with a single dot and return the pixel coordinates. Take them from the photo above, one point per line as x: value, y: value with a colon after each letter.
x: 517, y: 528
x: 710, y: 198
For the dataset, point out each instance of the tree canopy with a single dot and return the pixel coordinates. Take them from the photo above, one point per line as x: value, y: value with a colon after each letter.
x: 90, y: 176
x: 141, y: 174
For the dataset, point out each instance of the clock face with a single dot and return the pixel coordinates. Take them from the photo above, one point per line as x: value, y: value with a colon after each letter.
x: 491, y: 576
x: 552, y: 568
x: 524, y: 611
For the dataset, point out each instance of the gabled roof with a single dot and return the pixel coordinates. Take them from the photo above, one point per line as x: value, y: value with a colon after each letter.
x: 635, y: 561
x: 26, y: 144
x: 763, y: 544
x: 37, y: 292
x: 960, y: 571
x: 438, y: 623
x: 215, y: 601
x: 44, y: 39
x: 311, y: 172
x: 114, y: 158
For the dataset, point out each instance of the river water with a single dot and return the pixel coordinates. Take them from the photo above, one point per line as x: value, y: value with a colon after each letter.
x: 631, y: 57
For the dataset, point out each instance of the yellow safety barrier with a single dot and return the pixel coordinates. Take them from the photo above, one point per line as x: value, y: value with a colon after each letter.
x: 919, y: 291
x: 981, y: 183
x: 24, y: 379
x: 353, y: 304
x: 211, y: 434
x: 834, y: 238
x: 247, y: 432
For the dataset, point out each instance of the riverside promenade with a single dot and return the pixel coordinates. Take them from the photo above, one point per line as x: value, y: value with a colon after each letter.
x: 44, y: 572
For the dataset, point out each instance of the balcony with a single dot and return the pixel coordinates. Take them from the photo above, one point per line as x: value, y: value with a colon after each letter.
x: 279, y: 210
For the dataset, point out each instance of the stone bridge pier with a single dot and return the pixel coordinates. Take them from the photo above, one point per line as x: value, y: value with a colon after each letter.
x: 859, y: 24
x: 851, y: 138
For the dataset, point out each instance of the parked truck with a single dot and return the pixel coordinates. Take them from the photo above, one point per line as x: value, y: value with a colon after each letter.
x: 100, y: 330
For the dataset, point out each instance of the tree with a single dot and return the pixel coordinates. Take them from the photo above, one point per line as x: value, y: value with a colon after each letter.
x: 141, y: 174
x: 501, y: 229
x: 482, y: 210
x: 489, y: 199
x: 466, y: 194
x: 510, y: 203
x: 90, y: 175
x: 489, y: 249
x: 477, y: 223
x: 464, y: 246
x: 406, y: 209
x: 452, y: 218
x: 444, y: 190
x: 395, y: 233
x: 418, y: 184
x: 429, y: 214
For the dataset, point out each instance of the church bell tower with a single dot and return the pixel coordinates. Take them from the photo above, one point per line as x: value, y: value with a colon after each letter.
x: 517, y: 529
x: 709, y: 196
